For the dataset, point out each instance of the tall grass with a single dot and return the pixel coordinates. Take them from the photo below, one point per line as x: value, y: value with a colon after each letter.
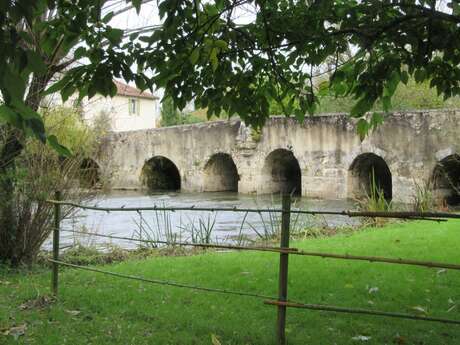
x: 423, y: 199
x: 201, y: 231
x: 375, y: 201
x: 300, y: 224
x: 161, y: 229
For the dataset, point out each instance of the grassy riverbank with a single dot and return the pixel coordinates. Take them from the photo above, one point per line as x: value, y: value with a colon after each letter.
x: 98, y: 309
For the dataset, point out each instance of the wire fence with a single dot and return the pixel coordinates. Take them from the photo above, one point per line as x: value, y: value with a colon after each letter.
x: 284, y: 250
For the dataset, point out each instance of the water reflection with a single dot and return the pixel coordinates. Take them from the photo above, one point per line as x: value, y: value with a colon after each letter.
x: 226, y: 226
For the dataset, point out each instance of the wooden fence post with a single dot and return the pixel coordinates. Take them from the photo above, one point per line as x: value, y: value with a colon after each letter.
x: 283, y: 271
x: 57, y: 221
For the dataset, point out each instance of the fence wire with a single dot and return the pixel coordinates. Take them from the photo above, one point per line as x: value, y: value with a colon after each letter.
x: 430, y: 216
x: 162, y: 282
x: 336, y: 309
x: 290, y: 250
x: 281, y: 300
x: 270, y: 300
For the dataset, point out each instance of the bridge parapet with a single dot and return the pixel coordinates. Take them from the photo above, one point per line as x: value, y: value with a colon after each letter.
x: 326, y: 149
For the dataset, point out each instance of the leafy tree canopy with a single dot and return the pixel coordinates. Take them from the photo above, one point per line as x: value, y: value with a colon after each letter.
x: 203, y: 50
x: 42, y: 40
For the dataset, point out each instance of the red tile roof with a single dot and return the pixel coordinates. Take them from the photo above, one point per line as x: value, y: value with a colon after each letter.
x: 129, y: 91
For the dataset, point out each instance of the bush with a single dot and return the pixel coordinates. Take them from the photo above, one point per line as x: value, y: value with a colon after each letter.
x: 39, y: 173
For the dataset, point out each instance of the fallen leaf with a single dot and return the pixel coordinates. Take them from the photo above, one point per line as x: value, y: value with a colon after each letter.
x: 373, y: 290
x: 361, y: 338
x: 73, y: 312
x: 399, y: 340
x: 214, y: 340
x: 451, y: 308
x: 16, y: 331
x: 441, y: 271
x: 38, y: 303
x: 420, y: 309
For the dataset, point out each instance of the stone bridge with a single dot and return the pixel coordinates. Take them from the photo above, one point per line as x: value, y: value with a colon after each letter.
x: 322, y: 157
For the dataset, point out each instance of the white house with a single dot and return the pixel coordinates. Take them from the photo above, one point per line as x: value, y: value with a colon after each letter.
x: 129, y: 110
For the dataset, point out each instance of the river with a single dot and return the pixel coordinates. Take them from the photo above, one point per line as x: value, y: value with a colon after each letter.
x: 193, y: 225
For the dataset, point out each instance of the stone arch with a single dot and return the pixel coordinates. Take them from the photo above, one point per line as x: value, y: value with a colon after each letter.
x: 220, y: 174
x: 281, y: 173
x: 366, y: 168
x: 446, y: 179
x: 89, y: 173
x: 160, y: 174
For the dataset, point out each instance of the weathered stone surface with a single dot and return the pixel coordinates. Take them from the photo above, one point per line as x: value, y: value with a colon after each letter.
x: 325, y: 147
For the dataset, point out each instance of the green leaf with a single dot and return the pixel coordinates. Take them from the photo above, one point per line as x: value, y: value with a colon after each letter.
x: 114, y: 35
x: 221, y: 44
x: 36, y: 128
x: 108, y: 17
x: 299, y: 115
x: 35, y: 63
x: 338, y: 76
x: 213, y: 59
x: 340, y: 88
x: 33, y: 123
x: 420, y: 75
x: 8, y: 115
x: 194, y: 56
x: 140, y: 83
x: 60, y: 149
x: 56, y: 86
x: 323, y: 89
x: 361, y: 107
x: 392, y: 83
x: 386, y: 103
x: 67, y: 91
x: 362, y: 127
x: 376, y: 120
x: 137, y: 5
x: 133, y: 36
x: 79, y: 52
x: 13, y: 83
x: 25, y: 111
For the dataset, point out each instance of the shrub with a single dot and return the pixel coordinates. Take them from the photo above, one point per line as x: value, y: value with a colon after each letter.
x: 39, y: 173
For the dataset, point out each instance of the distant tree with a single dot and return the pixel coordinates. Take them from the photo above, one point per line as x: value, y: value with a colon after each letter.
x: 170, y: 116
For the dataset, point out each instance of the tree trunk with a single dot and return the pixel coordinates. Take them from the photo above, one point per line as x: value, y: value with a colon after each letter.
x: 8, y: 223
x: 11, y: 237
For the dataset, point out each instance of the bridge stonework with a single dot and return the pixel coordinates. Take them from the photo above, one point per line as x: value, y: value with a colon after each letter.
x: 326, y: 149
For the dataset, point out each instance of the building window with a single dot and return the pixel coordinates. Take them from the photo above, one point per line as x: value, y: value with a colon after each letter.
x: 133, y: 105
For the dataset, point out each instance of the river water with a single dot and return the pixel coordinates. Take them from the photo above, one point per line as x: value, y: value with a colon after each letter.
x: 193, y: 225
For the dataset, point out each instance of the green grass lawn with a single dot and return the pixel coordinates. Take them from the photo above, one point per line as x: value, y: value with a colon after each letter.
x: 99, y: 309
